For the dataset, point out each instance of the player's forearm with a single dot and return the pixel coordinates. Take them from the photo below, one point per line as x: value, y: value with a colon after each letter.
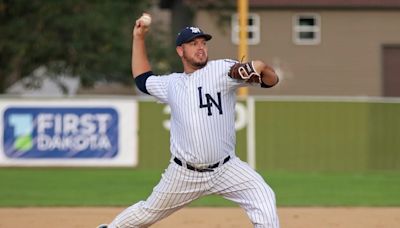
x: 140, y: 62
x: 268, y: 75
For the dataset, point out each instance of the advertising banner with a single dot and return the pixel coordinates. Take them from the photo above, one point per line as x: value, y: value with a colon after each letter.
x: 68, y: 132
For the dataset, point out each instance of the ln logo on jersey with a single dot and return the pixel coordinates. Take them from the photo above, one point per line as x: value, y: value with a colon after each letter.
x: 210, y: 101
x: 60, y: 132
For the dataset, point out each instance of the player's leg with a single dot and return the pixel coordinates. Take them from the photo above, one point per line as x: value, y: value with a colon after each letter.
x: 140, y: 215
x: 241, y: 184
x: 177, y: 187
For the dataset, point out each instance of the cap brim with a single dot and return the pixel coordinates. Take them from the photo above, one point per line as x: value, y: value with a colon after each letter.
x: 206, y: 36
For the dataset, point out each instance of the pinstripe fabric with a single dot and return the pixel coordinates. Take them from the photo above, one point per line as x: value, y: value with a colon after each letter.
x: 202, y: 132
x: 211, y: 137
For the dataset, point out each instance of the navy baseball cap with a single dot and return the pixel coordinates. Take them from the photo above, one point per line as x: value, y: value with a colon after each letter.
x: 190, y: 33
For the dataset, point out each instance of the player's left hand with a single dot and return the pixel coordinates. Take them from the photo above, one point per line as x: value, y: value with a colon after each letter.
x: 245, y: 71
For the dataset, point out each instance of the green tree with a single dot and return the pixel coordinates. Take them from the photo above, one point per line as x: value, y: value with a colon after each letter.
x: 91, y: 39
x: 183, y: 13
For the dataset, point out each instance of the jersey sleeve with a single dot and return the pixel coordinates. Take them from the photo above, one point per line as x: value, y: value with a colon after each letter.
x: 157, y: 86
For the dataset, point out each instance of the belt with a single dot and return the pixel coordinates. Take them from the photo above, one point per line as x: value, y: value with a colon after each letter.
x: 209, y: 168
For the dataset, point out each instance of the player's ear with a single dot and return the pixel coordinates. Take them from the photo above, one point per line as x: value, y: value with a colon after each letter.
x: 179, y: 50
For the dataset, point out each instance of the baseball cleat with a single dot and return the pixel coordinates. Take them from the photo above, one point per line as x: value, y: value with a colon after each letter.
x: 102, y: 226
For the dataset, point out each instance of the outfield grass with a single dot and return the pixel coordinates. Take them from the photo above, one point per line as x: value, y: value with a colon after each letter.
x: 122, y: 187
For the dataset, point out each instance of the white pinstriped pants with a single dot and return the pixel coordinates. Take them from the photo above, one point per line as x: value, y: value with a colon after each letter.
x: 235, y: 181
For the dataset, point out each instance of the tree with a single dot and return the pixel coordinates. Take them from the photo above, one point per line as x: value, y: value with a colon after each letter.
x: 91, y: 39
x: 183, y: 13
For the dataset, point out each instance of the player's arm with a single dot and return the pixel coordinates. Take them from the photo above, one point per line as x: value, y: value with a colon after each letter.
x: 268, y: 75
x: 140, y: 61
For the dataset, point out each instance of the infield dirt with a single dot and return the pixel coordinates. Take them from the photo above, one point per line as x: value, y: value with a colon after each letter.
x: 290, y: 217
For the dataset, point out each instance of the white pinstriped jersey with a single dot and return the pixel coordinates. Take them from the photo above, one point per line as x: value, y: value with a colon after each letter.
x: 202, y: 111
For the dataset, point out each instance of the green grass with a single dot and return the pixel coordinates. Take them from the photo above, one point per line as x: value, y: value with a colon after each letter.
x: 74, y: 187
x: 337, y: 189
x: 122, y: 187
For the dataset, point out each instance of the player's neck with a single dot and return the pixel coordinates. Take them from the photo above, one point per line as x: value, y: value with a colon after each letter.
x: 189, y: 71
x: 189, y: 68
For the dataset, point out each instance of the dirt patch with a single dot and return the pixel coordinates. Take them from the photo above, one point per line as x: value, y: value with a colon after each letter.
x: 297, y: 217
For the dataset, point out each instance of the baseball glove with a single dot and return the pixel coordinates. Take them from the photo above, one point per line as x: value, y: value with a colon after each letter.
x: 246, y: 72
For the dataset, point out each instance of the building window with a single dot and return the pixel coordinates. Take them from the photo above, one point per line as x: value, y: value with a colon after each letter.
x: 253, y: 29
x: 307, y: 29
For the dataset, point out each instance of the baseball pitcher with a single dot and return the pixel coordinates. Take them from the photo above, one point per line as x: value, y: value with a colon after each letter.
x: 202, y: 137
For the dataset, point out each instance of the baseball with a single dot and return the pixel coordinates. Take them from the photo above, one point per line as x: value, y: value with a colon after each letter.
x: 146, y: 19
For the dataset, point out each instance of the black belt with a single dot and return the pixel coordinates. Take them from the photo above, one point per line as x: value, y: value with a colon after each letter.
x: 209, y: 168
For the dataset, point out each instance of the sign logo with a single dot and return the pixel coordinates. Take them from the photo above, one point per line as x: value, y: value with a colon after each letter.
x: 23, y: 127
x: 60, y: 132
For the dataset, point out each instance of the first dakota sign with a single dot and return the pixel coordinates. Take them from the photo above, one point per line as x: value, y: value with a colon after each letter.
x: 69, y: 132
x: 60, y: 132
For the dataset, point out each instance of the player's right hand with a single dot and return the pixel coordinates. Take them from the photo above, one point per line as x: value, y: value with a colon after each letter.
x: 139, y: 30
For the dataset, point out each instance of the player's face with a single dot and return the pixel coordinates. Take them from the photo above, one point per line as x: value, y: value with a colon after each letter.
x: 194, y: 53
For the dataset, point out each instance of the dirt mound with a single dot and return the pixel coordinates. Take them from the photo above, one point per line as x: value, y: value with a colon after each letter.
x: 290, y: 217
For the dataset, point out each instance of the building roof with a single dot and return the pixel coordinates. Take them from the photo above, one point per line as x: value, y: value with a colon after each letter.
x: 388, y: 4
x: 281, y: 4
